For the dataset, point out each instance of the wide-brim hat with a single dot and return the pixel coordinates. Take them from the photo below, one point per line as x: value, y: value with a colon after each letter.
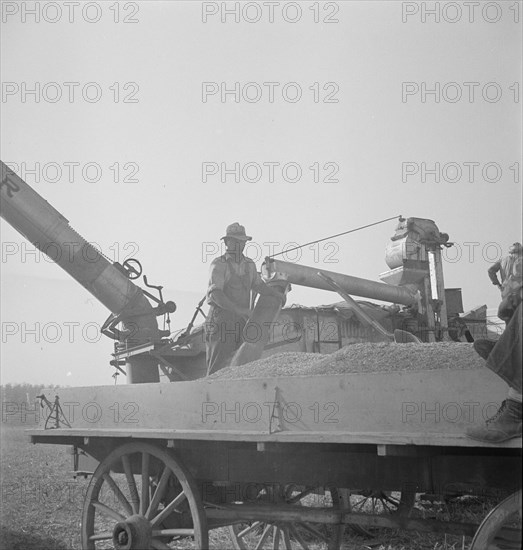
x: 236, y: 231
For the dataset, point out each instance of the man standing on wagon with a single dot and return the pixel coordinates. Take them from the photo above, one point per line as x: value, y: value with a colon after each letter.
x: 510, y: 271
x: 232, y: 278
x: 504, y: 357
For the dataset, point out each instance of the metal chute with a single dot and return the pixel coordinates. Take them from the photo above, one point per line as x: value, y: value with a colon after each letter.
x: 49, y: 231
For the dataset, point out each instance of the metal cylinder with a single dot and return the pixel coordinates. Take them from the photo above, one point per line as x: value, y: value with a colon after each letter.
x: 142, y: 369
x: 308, y: 276
x: 258, y: 328
x: 42, y: 225
x: 50, y: 232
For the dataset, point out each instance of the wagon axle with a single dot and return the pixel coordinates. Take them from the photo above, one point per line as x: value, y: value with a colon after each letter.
x: 134, y: 532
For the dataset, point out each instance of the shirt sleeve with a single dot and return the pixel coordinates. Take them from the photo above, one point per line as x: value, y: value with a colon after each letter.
x: 217, y: 276
x: 493, y: 272
x: 254, y: 277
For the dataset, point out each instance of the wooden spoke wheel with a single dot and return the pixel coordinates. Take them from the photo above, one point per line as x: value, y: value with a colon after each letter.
x: 142, y: 497
x: 261, y: 535
x: 379, y: 502
x: 501, y: 529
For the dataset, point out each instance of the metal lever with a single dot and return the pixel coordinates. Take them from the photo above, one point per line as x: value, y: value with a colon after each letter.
x: 397, y: 336
x: 163, y: 307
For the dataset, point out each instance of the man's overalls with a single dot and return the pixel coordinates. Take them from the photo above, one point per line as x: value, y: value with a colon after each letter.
x: 224, y: 329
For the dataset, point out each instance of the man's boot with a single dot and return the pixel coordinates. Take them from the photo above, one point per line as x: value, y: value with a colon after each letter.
x: 504, y: 425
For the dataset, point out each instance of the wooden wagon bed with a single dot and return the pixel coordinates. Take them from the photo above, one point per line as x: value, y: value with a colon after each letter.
x: 422, y: 408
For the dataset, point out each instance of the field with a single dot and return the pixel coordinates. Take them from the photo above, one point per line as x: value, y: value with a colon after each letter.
x: 41, y: 506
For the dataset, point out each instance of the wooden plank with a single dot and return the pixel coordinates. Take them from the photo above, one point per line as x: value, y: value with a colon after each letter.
x: 271, y: 513
x: 431, y: 407
x: 394, y: 439
x: 341, y: 469
x: 476, y: 474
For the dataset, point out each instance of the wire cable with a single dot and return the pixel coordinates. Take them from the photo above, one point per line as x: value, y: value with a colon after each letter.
x: 337, y: 235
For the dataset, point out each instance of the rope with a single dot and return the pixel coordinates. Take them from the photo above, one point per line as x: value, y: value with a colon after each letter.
x: 334, y: 236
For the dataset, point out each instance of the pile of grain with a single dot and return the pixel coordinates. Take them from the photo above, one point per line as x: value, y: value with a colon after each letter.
x: 380, y: 357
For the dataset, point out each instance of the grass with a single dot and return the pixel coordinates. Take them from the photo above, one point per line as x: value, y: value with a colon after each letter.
x: 41, y: 506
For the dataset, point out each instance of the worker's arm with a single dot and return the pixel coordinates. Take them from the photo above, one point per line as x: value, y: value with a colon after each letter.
x: 215, y: 292
x: 493, y: 273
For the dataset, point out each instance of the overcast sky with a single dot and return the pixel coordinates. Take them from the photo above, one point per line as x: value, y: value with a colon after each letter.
x: 130, y: 132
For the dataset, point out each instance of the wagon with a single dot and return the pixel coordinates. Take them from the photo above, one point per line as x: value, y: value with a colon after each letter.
x: 286, y: 462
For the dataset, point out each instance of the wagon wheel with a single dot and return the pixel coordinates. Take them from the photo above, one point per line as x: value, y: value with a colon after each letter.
x: 260, y: 535
x: 507, y: 514
x: 380, y: 502
x: 141, y: 497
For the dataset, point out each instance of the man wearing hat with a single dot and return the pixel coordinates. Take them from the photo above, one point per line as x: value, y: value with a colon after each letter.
x: 507, y: 267
x: 510, y: 270
x: 232, y: 278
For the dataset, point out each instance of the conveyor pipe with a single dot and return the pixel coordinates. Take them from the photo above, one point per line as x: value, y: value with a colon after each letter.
x: 49, y: 231
x: 308, y: 276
